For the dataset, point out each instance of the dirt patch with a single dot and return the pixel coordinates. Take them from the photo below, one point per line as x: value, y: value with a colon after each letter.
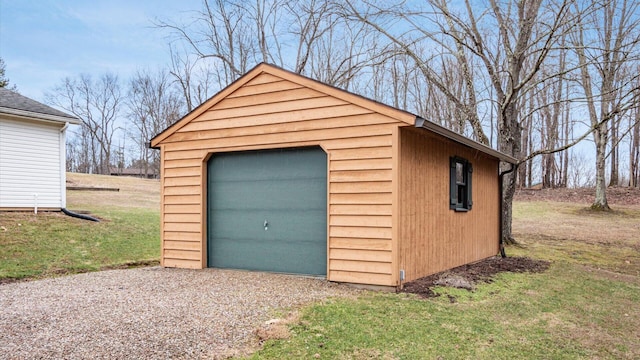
x: 466, y: 276
x: 615, y: 195
x: 277, y: 329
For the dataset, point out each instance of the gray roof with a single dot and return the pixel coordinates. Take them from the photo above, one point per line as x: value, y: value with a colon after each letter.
x: 439, y: 129
x: 15, y: 104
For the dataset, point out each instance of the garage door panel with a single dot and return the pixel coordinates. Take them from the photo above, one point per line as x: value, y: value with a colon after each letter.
x: 251, y: 254
x: 269, y: 165
x: 272, y: 195
x: 249, y: 224
x: 287, y: 189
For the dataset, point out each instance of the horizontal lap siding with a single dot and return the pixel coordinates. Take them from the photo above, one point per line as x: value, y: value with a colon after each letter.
x: 181, y: 211
x: 30, y: 172
x: 435, y: 238
x: 269, y: 112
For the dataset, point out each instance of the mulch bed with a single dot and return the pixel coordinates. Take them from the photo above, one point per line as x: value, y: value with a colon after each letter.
x: 467, y: 276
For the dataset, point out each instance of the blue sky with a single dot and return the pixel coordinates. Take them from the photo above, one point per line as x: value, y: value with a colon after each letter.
x: 43, y: 41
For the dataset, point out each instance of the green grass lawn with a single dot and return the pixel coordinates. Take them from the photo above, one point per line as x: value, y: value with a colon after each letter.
x: 51, y: 243
x: 584, y: 307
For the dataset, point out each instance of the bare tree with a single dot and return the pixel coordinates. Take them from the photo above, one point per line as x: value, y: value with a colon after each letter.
x: 98, y: 104
x: 506, y: 44
x: 153, y: 105
x: 232, y: 35
x: 606, y: 42
x: 195, y: 78
x: 311, y: 21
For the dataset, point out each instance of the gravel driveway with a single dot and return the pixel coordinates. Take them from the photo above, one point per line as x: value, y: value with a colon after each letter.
x: 147, y: 313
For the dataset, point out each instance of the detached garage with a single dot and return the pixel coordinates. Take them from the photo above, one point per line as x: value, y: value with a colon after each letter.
x: 282, y: 173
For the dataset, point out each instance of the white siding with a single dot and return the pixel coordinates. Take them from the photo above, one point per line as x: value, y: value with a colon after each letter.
x: 30, y: 163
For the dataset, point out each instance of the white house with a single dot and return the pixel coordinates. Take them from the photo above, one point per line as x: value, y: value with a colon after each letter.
x: 32, y: 153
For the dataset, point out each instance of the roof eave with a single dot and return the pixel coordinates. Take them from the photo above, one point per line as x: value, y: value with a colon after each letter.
x: 31, y: 115
x: 433, y: 127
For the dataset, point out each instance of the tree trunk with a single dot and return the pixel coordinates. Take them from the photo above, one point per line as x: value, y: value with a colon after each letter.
x: 510, y: 143
x: 614, y: 174
x: 634, y: 153
x: 600, y: 201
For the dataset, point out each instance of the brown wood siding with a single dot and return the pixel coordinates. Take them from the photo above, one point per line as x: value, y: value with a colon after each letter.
x: 432, y: 237
x: 269, y: 112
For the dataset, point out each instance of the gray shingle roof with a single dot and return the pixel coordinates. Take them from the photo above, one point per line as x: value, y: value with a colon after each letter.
x: 16, y: 104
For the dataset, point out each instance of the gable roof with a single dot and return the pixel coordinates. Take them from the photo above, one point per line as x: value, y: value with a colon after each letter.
x: 400, y: 115
x: 12, y: 103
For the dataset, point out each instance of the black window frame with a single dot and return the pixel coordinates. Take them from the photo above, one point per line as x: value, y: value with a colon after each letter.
x: 460, y: 190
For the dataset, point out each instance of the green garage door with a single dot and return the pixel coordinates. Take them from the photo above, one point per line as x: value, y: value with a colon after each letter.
x: 267, y: 210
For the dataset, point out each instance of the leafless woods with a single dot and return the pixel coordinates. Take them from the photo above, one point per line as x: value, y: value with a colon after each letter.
x: 531, y: 78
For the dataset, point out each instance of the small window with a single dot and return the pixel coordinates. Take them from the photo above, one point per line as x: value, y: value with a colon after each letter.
x: 460, y: 184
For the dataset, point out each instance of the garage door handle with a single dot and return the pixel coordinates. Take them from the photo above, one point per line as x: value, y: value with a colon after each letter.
x: 266, y: 225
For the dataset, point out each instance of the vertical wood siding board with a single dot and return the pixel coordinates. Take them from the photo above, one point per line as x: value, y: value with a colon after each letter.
x: 460, y: 237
